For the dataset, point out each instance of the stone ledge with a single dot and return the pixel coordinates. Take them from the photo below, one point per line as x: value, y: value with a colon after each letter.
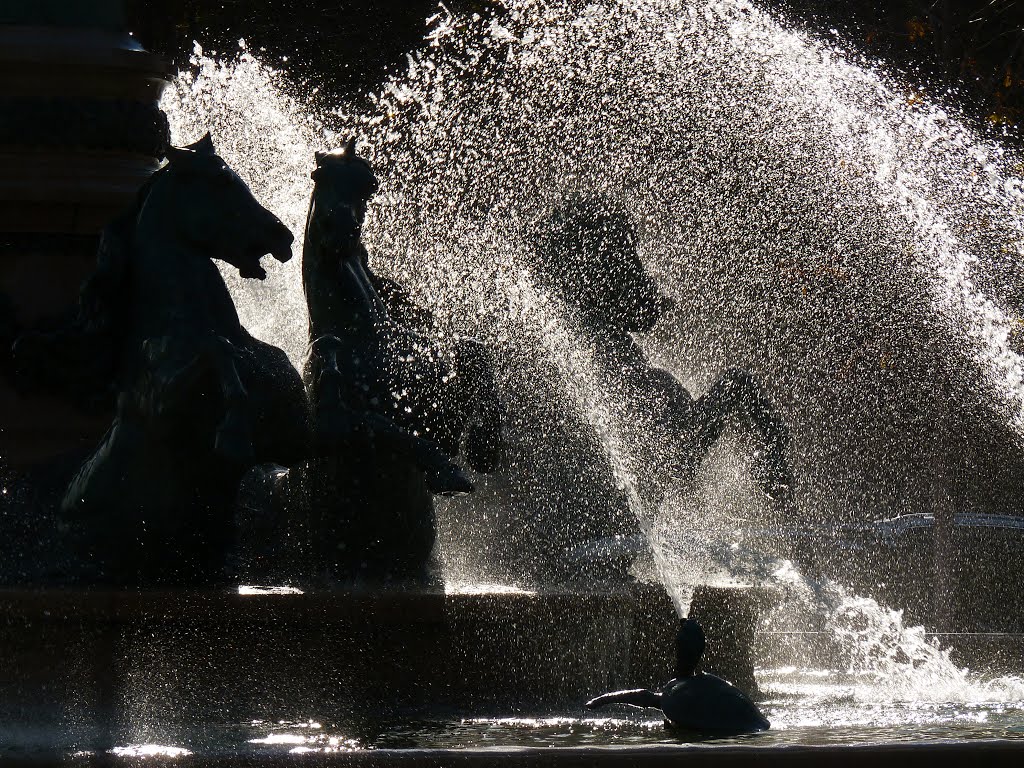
x: 199, y: 656
x: 374, y: 607
x: 909, y: 755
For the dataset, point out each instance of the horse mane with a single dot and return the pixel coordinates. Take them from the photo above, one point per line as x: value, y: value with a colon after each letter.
x: 102, y: 302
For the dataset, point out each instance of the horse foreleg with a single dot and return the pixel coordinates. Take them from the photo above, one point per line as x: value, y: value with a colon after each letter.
x: 736, y: 397
x: 233, y: 439
x: 333, y: 415
x: 442, y: 475
x: 337, y: 421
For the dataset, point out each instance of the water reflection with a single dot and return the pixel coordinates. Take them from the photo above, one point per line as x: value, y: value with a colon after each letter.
x: 829, y: 716
x: 304, y: 737
x: 149, y: 750
x: 470, y: 588
x: 252, y: 589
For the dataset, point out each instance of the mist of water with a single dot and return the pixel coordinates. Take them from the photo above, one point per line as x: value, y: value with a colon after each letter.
x: 819, y: 223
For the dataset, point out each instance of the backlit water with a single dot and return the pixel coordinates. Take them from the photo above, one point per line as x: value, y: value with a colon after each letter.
x: 811, y: 707
x: 834, y: 230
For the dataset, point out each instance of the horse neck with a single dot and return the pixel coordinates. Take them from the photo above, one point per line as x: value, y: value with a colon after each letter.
x: 340, y: 296
x: 618, y: 350
x: 177, y: 288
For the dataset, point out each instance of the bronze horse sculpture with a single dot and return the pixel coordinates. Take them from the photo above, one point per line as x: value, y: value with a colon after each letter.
x: 585, y: 254
x: 198, y: 399
x: 397, y: 409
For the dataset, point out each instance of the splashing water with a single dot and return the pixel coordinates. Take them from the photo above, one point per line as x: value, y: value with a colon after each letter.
x: 816, y: 222
x: 269, y: 139
x: 880, y: 660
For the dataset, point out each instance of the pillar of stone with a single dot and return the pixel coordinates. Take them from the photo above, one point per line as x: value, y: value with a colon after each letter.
x: 80, y: 130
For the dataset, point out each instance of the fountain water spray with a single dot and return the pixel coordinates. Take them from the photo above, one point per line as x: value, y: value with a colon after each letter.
x: 817, y: 222
x: 880, y: 659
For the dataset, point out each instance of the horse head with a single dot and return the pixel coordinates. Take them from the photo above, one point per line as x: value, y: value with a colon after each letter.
x: 585, y: 252
x: 344, y: 184
x: 201, y: 203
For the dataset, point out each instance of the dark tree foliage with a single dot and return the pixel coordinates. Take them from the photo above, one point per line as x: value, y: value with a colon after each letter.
x: 341, y: 46
x: 974, y: 47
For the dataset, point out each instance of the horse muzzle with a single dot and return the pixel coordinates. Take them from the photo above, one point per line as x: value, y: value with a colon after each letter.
x: 249, y: 264
x: 281, y: 239
x: 282, y: 253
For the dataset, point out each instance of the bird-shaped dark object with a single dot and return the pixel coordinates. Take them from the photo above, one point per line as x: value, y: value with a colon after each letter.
x: 692, y: 700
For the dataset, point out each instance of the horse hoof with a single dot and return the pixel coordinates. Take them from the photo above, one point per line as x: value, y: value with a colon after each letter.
x: 448, y: 481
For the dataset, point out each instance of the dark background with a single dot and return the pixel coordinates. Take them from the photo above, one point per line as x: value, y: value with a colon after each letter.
x: 342, y: 46
x: 975, y: 47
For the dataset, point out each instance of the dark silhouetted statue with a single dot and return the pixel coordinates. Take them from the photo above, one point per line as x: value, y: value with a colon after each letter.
x: 198, y: 400
x: 586, y: 255
x: 692, y: 700
x: 394, y: 410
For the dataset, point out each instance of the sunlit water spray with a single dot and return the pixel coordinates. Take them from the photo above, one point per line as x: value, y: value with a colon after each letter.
x: 880, y: 661
x: 829, y: 229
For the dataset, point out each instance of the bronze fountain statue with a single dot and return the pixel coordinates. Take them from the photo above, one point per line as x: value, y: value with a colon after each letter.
x: 201, y: 404
x: 198, y: 399
x: 391, y: 408
x: 371, y: 434
x: 693, y: 700
x: 585, y: 254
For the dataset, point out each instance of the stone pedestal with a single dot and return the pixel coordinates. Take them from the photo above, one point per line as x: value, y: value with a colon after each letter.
x: 80, y: 130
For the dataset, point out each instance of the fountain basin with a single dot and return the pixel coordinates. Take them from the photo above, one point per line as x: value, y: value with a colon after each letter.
x: 88, y: 665
x: 422, y: 677
x: 989, y: 752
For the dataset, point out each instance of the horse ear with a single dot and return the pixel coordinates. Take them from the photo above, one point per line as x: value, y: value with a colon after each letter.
x: 175, y: 154
x: 204, y: 146
x: 350, y: 147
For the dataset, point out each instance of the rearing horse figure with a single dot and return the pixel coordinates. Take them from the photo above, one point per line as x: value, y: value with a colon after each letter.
x: 586, y: 254
x: 199, y: 400
x: 392, y: 407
